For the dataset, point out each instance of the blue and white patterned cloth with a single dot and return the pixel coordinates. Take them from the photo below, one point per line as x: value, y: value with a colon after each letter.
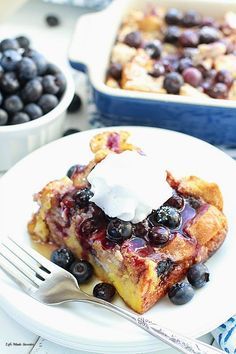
x: 225, y: 335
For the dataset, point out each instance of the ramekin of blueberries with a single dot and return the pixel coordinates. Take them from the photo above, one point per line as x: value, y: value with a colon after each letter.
x: 34, y: 96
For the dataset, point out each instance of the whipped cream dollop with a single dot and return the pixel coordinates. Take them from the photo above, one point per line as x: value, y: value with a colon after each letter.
x: 129, y: 186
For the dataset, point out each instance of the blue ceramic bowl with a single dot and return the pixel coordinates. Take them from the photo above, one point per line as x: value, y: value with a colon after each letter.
x: 209, y: 119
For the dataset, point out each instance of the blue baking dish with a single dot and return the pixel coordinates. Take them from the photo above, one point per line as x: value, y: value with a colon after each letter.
x: 211, y: 120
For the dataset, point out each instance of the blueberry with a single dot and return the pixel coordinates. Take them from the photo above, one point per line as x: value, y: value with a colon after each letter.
x: 191, y: 18
x: 3, y: 117
x: 157, y: 70
x: 9, y: 59
x: 218, y: 90
x: 91, y: 225
x: 153, y: 49
x: 1, y: 98
x: 167, y: 216
x: 115, y: 71
x: 52, y: 69
x: 8, y: 44
x: 32, y: 91
x: 164, y: 267
x: 73, y: 169
x: 71, y: 131
x: 23, y: 42
x: 19, y: 118
x: 208, y: 35
x: 141, y: 229
x: 13, y: 104
x: 47, y: 102
x: 9, y: 82
x: 118, y: 230
x: 33, y: 110
x: 26, y: 69
x: 159, y: 235
x: 52, y: 20
x: 181, y: 293
x: 185, y: 63
x: 82, y: 197
x: 198, y: 275
x: 172, y: 34
x: 104, y: 291
x: 133, y: 39
x: 39, y: 60
x: 170, y: 63
x: 176, y: 201
x: 173, y: 16
x: 63, y: 257
x: 1, y: 72
x: 173, y: 82
x: 194, y: 203
x: 61, y: 82
x: 225, y: 77
x: 189, y: 38
x: 50, y: 84
x: 82, y: 271
x: 192, y: 76
x: 75, y: 104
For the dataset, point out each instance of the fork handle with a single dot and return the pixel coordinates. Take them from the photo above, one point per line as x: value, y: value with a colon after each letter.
x: 175, y: 340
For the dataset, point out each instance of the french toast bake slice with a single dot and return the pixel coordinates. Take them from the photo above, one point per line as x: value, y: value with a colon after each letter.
x: 141, y: 268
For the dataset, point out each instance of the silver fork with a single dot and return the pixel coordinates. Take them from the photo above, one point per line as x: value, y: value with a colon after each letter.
x: 52, y: 285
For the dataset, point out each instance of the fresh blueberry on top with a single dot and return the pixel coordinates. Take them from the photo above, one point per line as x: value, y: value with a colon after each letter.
x: 3, y: 117
x: 1, y: 72
x: 181, y: 293
x: 32, y: 91
x: 225, y: 77
x: 8, y: 43
x: 19, y: 118
x: 13, y: 104
x: 198, y: 275
x: 173, y: 16
x: 39, y: 60
x: 33, y: 110
x: 158, y: 235
x: 23, y: 42
x: 52, y: 20
x: 208, y: 35
x: 173, y: 82
x: 82, y: 197
x: 50, y: 85
x: 9, y: 82
x: 218, y: 90
x: 157, y: 70
x: 141, y: 229
x: 52, y: 69
x: 192, y: 76
x: 47, y: 102
x: 63, y: 257
x: 176, y: 201
x: 133, y: 39
x: 167, y: 216
x: 172, y: 34
x: 118, y: 230
x: 9, y: 59
x: 75, y: 104
x: 104, y: 291
x: 184, y: 63
x: 60, y: 82
x: 82, y: 271
x: 115, y: 71
x: 153, y: 49
x: 189, y: 38
x: 191, y: 18
x: 26, y: 69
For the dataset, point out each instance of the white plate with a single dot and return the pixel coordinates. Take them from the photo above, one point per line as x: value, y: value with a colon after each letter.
x: 88, y: 328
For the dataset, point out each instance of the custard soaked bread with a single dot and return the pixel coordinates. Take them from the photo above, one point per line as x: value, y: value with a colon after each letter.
x: 141, y: 259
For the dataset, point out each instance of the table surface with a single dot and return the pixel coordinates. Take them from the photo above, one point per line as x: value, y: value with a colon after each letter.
x: 29, y: 20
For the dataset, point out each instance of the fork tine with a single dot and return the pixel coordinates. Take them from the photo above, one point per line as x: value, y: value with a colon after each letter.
x: 33, y: 266
x: 42, y: 261
x: 16, y: 275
